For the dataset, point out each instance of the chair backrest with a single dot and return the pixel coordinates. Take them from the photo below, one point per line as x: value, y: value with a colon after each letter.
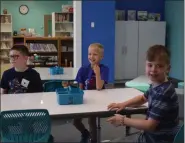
x: 179, y: 138
x: 25, y: 125
x: 51, y: 86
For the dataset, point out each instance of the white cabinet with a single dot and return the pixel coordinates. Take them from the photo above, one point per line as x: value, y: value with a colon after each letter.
x: 150, y: 33
x: 126, y: 45
x: 132, y: 40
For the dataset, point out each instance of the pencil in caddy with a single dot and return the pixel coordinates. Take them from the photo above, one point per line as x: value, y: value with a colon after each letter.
x: 56, y: 70
x: 69, y: 95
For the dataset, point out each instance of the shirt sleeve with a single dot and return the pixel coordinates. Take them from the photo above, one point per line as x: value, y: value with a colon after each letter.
x: 4, y: 81
x: 105, y: 74
x: 38, y: 86
x: 146, y: 94
x: 160, y: 107
x: 79, y: 76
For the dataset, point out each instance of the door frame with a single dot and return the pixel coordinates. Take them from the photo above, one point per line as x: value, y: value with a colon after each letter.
x: 46, y: 18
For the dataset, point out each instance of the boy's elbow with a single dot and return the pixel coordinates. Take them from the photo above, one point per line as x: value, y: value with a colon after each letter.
x: 151, y: 126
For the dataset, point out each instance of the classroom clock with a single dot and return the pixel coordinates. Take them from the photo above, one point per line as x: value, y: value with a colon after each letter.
x: 23, y: 9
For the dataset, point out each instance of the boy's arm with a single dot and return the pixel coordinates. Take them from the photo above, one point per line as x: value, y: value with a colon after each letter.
x: 79, y: 78
x: 101, y: 76
x: 4, y: 84
x: 38, y: 86
x: 136, y: 101
x: 141, y: 124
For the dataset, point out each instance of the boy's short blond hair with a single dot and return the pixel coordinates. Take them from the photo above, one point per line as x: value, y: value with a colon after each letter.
x: 99, y: 46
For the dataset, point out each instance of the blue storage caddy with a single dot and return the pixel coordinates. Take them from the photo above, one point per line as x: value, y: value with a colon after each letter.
x: 69, y: 95
x: 56, y: 70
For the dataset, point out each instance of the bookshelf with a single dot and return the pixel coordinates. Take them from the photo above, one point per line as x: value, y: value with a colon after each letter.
x: 66, y: 45
x: 51, y: 51
x: 45, y: 50
x: 62, y: 24
x: 6, y: 37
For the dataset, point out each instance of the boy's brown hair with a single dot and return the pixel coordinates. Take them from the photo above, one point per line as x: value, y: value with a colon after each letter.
x: 21, y: 48
x: 158, y: 52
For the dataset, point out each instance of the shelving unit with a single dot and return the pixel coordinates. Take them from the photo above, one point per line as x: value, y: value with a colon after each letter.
x: 46, y: 49
x: 53, y: 51
x: 6, y: 37
x: 62, y: 24
x: 66, y: 45
x: 18, y: 40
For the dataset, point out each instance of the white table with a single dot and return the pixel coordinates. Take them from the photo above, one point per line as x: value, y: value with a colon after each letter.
x: 94, y: 101
x: 69, y: 74
x: 95, y: 104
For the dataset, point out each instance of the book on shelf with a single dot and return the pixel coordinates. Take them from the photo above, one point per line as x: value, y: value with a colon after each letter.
x: 42, y: 47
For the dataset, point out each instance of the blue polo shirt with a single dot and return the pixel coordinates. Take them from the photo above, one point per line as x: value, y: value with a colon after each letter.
x: 163, y: 107
x: 86, y: 76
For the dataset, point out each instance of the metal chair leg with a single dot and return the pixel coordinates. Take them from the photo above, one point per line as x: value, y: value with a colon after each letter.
x: 98, y: 131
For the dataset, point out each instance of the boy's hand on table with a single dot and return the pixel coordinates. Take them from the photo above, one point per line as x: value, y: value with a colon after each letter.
x: 116, y: 120
x: 116, y: 107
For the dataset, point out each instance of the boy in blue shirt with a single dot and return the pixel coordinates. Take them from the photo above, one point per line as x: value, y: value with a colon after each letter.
x: 89, y: 77
x: 20, y: 78
x: 161, y: 123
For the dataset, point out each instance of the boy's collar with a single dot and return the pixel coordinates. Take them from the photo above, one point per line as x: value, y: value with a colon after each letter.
x: 20, y: 70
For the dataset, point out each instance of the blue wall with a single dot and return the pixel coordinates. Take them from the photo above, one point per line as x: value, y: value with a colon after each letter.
x: 103, y: 14
x: 152, y: 6
x: 174, y: 15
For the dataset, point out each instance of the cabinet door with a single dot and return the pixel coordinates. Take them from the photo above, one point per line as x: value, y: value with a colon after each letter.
x: 126, y: 50
x: 150, y: 33
x: 119, y: 49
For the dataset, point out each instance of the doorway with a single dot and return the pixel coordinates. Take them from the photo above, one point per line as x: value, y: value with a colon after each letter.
x: 47, y: 25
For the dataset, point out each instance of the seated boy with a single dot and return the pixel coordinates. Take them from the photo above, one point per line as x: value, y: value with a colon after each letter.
x: 92, y: 76
x: 20, y: 78
x: 161, y: 123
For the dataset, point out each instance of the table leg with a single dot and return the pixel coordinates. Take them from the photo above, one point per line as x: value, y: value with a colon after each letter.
x: 98, y: 131
x: 127, y: 127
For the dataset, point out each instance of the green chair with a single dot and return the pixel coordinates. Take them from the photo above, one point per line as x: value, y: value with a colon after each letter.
x: 51, y: 86
x: 143, y: 87
x: 179, y: 138
x: 25, y: 126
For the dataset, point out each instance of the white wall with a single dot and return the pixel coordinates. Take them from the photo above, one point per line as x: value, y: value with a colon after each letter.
x: 77, y: 5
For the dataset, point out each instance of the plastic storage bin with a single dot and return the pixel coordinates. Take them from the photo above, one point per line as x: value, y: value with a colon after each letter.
x: 69, y: 95
x: 56, y: 70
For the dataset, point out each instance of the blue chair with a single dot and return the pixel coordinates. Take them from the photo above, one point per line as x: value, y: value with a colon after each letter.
x: 25, y: 126
x: 179, y: 138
